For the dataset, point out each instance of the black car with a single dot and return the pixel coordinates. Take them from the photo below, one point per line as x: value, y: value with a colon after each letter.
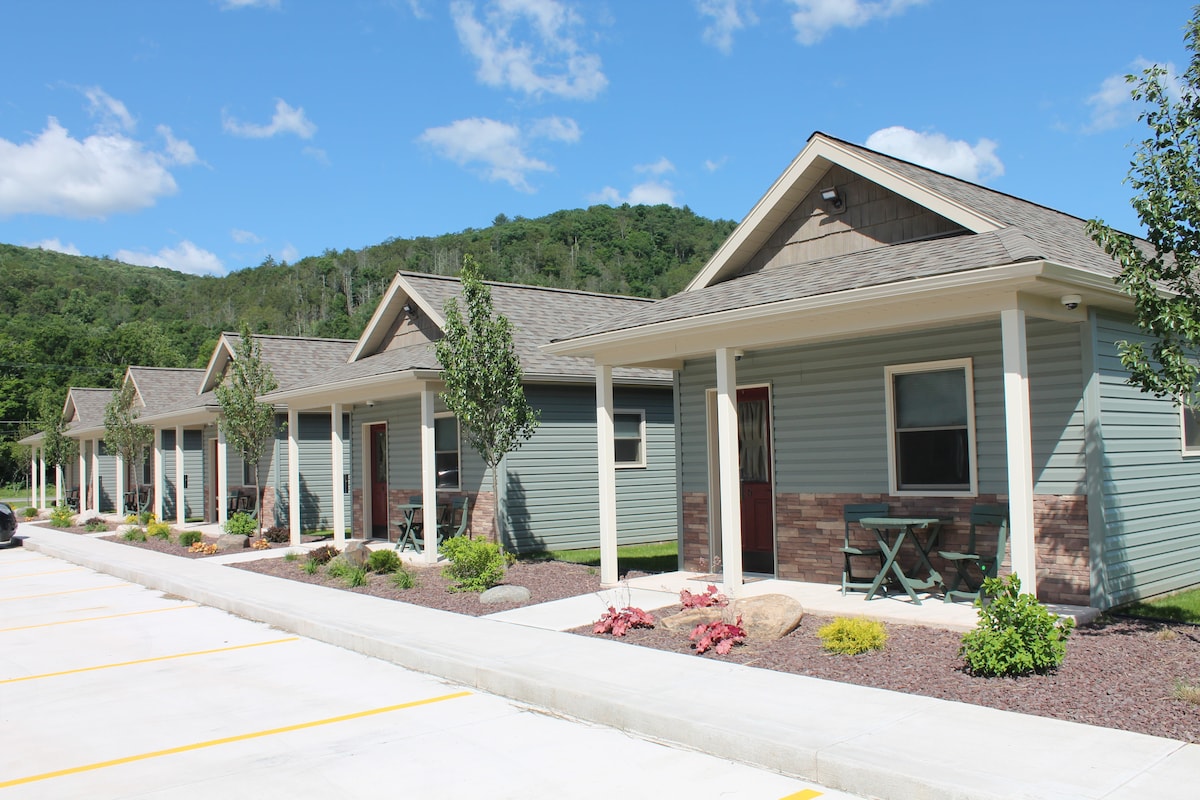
x: 8, y: 523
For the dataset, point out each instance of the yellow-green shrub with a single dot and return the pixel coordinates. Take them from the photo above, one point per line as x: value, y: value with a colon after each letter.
x: 851, y: 636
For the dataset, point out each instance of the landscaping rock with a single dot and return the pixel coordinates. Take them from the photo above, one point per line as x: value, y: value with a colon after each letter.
x: 84, y: 517
x: 356, y: 553
x: 766, y: 617
x: 689, y: 618
x: 232, y: 541
x: 499, y: 595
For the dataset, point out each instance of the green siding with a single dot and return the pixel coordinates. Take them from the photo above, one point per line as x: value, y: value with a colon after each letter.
x: 107, y: 470
x: 315, y: 448
x: 1148, y: 494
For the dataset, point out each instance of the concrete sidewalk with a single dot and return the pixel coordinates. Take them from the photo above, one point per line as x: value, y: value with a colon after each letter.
x: 861, y: 740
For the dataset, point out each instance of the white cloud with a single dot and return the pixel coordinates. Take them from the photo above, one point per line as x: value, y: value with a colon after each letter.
x: 187, y: 257
x: 815, y: 18
x: 660, y: 167
x: 650, y: 193
x: 713, y: 166
x: 955, y: 157
x: 102, y: 174
x: 289, y: 254
x: 57, y: 246
x: 113, y: 114
x: 529, y: 46
x: 233, y: 5
x: 179, y: 151
x: 1112, y: 106
x: 497, y: 149
x: 728, y: 17
x: 245, y: 237
x: 285, y: 120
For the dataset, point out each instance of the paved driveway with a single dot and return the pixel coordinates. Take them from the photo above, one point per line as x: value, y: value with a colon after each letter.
x: 111, y: 690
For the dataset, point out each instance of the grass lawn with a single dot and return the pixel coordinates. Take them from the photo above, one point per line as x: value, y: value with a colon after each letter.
x: 1182, y: 607
x: 657, y: 557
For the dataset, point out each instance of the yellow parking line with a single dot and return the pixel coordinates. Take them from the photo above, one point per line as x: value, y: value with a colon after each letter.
x: 803, y: 794
x: 148, y: 660
x: 94, y: 619
x: 39, y: 574
x: 227, y: 740
x: 68, y: 591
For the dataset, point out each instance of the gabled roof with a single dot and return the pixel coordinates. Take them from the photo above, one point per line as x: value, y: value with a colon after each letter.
x: 163, y: 387
x: 293, y: 359
x: 84, y: 408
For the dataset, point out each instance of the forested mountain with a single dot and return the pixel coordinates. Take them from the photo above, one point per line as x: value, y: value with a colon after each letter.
x: 80, y: 321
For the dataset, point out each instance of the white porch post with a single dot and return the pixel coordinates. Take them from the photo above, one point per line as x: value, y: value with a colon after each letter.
x: 95, y: 476
x: 337, y: 448
x: 180, y: 517
x: 158, y: 474
x: 429, y: 476
x: 120, y: 485
x: 1019, y: 446
x: 222, y: 477
x: 83, y: 476
x: 293, y: 449
x: 58, y: 485
x: 730, y: 481
x: 606, y: 461
x: 34, y: 457
x: 42, y: 477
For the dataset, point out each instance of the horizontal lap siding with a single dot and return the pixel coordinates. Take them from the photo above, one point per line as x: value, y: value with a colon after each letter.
x: 107, y: 470
x: 1150, y: 493
x: 193, y: 469
x: 168, y: 469
x: 552, y: 490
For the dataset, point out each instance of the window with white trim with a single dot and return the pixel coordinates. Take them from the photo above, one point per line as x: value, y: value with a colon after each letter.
x: 629, y: 438
x: 445, y: 451
x: 931, y: 428
x: 1190, y: 429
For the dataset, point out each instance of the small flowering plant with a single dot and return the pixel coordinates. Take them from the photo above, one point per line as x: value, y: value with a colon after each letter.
x: 718, y: 635
x: 618, y: 623
x: 706, y: 599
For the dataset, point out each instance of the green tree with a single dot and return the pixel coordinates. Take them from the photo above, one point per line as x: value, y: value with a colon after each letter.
x: 59, y: 449
x: 248, y: 424
x: 123, y: 434
x: 1162, y: 279
x: 483, y: 378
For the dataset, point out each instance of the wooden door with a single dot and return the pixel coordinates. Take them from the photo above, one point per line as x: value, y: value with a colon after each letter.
x: 754, y: 468
x: 379, y: 482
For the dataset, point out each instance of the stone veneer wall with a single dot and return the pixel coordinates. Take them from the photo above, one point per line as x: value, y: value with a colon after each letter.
x: 809, y: 531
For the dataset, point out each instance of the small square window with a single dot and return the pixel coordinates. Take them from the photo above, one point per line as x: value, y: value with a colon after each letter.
x: 629, y: 438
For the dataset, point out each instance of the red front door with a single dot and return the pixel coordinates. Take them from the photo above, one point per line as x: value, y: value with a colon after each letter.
x: 754, y: 466
x: 379, y: 482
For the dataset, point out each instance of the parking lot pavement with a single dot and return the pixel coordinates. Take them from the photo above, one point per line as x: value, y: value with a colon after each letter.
x: 111, y: 690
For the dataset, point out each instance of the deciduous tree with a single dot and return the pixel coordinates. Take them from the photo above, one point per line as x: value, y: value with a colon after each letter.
x: 248, y: 424
x: 123, y: 434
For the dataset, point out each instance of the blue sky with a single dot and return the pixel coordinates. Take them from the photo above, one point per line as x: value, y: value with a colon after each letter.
x: 206, y: 135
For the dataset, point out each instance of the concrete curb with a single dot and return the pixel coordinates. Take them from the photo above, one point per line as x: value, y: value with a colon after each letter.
x: 860, y: 740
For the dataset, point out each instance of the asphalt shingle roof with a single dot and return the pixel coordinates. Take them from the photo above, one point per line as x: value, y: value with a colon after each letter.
x: 164, y: 387
x: 89, y: 407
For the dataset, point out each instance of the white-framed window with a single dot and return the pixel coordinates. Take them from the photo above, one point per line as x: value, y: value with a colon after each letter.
x: 445, y: 451
x: 931, y: 428
x: 629, y: 438
x: 1189, y: 426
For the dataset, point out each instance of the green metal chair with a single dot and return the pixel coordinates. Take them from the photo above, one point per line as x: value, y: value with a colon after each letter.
x: 457, y: 510
x: 853, y: 544
x: 986, y: 564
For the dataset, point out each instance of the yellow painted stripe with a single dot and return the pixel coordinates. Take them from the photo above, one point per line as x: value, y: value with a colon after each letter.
x: 68, y: 591
x: 803, y: 794
x: 59, y: 773
x: 148, y: 660
x: 95, y: 619
x: 39, y: 574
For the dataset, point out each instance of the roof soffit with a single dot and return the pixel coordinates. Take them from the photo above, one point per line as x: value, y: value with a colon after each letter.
x: 399, y: 292
x: 222, y: 354
x: 798, y: 181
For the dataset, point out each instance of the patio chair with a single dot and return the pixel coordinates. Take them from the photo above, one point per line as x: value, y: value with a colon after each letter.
x: 973, y: 560
x: 860, y: 543
x: 72, y: 498
x: 458, y: 509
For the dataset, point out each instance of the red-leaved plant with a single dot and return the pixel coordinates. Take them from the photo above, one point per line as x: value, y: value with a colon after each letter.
x: 718, y: 635
x: 619, y: 622
x: 703, y: 600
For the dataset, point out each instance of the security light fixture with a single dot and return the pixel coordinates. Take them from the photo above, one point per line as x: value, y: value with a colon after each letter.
x: 1071, y: 301
x: 409, y: 309
x: 834, y: 199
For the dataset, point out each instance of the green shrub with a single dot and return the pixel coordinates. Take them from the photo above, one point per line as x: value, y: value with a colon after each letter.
x: 310, y: 566
x: 241, y: 524
x: 189, y: 538
x: 60, y: 517
x: 337, y: 567
x: 1016, y: 634
x: 291, y: 555
x: 403, y: 579
x: 95, y: 526
x: 145, y: 517
x: 277, y: 534
x: 383, y: 561
x: 160, y: 530
x: 323, y: 554
x: 475, y: 564
x: 852, y: 636
x: 134, y: 535
x: 355, y: 576
x: 30, y: 512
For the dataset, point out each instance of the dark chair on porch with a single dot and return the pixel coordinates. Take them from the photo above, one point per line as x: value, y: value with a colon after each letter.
x: 454, y: 519
x: 72, y: 498
x: 860, y: 543
x: 984, y: 561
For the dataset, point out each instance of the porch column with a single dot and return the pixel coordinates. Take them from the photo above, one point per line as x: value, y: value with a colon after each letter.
x: 337, y: 466
x: 727, y: 466
x: 293, y: 445
x: 180, y: 517
x: 95, y: 506
x: 429, y: 476
x: 607, y: 473
x: 83, y: 476
x: 1019, y: 438
x: 33, y: 472
x: 158, y: 474
x: 42, y: 476
x: 58, y: 485
x: 222, y: 477
x: 120, y: 482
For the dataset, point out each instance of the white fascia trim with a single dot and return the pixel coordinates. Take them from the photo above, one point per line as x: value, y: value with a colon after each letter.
x: 831, y: 152
x: 349, y: 391
x: 386, y: 311
x: 210, y: 372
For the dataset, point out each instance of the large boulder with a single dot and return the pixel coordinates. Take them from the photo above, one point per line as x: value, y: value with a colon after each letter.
x: 503, y: 595
x: 689, y: 618
x: 356, y: 553
x: 765, y: 617
x: 232, y: 541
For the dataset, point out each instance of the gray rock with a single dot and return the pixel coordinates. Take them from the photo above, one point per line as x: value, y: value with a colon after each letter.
x: 232, y: 541
x: 356, y: 553
x: 766, y: 617
x: 498, y: 595
x: 689, y: 618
